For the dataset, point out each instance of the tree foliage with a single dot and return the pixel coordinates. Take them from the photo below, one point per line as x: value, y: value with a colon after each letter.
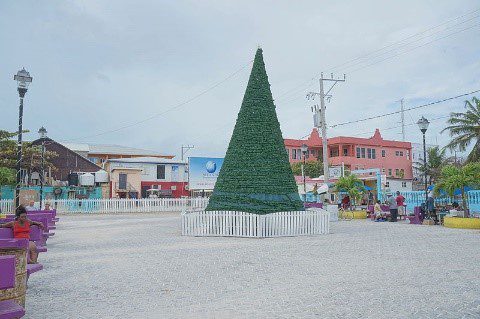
x: 312, y: 168
x: 352, y: 185
x: 436, y: 160
x: 464, y: 128
x: 31, y: 159
x: 7, y: 176
x: 453, y: 178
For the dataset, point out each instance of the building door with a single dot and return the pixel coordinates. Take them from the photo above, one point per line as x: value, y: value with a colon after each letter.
x: 122, y: 181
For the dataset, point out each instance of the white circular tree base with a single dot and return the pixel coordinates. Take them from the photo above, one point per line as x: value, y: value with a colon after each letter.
x: 242, y: 224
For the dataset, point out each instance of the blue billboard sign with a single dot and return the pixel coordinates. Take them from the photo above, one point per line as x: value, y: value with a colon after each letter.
x: 203, y: 172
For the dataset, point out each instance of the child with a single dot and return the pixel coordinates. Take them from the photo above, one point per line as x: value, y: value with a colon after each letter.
x: 377, y: 210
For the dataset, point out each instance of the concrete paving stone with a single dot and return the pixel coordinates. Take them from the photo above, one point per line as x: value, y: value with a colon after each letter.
x: 139, y: 266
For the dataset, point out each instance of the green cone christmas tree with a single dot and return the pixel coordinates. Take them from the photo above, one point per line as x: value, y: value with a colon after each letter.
x: 256, y: 176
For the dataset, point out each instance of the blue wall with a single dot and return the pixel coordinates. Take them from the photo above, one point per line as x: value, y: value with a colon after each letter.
x: 416, y: 198
x: 8, y: 192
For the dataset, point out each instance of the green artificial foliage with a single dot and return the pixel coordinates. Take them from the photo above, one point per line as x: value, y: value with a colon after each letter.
x: 256, y: 176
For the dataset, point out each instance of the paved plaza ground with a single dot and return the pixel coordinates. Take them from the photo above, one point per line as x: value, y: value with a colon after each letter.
x: 139, y: 266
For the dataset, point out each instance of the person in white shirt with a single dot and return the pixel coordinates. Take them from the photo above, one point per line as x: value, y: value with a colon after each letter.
x: 31, y: 206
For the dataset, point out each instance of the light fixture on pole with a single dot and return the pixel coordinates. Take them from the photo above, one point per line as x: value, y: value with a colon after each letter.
x: 304, y: 149
x: 43, y: 134
x: 23, y: 79
x: 423, y: 125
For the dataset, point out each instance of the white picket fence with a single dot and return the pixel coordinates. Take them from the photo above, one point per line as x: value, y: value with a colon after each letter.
x: 115, y: 205
x: 6, y: 206
x: 241, y: 224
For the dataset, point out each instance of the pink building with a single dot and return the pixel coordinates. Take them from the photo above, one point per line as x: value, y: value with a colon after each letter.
x: 393, y: 158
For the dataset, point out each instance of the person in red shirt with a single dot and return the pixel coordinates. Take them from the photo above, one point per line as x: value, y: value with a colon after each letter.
x: 21, y: 229
x: 401, y: 204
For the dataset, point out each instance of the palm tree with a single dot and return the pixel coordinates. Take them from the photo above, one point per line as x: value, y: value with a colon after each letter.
x: 352, y: 185
x: 436, y: 160
x: 453, y: 178
x: 465, y: 129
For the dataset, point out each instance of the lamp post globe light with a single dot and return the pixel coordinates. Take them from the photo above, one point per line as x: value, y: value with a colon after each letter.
x: 304, y: 149
x: 43, y: 134
x: 23, y: 79
x: 423, y: 125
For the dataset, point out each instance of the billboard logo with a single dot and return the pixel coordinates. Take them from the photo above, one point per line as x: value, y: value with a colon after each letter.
x: 211, y: 167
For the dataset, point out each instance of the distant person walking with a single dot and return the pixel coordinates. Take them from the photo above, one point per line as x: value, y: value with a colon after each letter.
x: 392, y: 204
x: 401, y: 204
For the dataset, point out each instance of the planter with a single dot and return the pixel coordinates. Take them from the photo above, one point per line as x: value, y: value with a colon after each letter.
x: 356, y: 214
x: 459, y: 222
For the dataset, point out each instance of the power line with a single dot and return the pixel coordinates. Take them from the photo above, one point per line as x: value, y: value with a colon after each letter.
x: 168, y: 109
x: 407, y: 109
x: 413, y: 48
x: 404, y: 40
x: 408, y: 38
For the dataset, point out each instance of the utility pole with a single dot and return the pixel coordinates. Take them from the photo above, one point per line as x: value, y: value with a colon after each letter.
x: 185, y: 149
x: 319, y: 119
x: 403, y: 119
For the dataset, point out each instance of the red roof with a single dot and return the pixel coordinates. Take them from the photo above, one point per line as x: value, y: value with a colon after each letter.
x: 314, y: 140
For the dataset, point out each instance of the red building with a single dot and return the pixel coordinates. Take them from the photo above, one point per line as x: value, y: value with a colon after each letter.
x: 393, y: 158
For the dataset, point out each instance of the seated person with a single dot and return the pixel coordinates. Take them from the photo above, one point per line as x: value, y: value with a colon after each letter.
x: 31, y: 206
x: 377, y: 210
x: 47, y: 206
x: 21, y: 229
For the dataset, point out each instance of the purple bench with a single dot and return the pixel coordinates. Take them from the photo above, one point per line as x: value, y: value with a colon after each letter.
x: 9, y: 309
x: 7, y: 233
x: 13, y: 277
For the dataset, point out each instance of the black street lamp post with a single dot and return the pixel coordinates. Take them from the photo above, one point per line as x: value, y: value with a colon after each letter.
x: 304, y: 153
x: 423, y: 125
x: 23, y: 79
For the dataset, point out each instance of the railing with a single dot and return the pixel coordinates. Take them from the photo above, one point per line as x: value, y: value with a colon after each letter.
x: 6, y: 206
x: 241, y: 224
x: 114, y: 205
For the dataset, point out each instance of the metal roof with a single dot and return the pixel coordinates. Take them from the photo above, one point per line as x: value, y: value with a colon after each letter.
x: 149, y: 160
x: 110, y: 149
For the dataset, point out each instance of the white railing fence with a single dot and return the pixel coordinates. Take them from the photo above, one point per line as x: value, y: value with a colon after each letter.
x: 116, y: 205
x: 6, y: 206
x: 241, y: 224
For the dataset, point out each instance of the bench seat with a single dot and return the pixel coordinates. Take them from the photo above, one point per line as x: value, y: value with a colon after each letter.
x: 41, y: 249
x: 32, y: 268
x: 9, y: 309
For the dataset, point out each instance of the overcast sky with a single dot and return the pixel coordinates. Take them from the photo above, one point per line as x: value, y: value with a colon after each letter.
x: 101, y: 66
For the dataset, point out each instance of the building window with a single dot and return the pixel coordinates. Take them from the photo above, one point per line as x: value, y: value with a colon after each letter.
x: 299, y: 153
x: 383, y: 170
x: 408, y: 154
x: 345, y: 152
x: 389, y: 172
x: 94, y: 160
x: 160, y: 171
x: 173, y: 188
x: 404, y: 184
x: 387, y: 184
x: 288, y: 153
x: 361, y: 153
x: 294, y: 153
x: 383, y: 153
x: 397, y: 153
x: 371, y: 153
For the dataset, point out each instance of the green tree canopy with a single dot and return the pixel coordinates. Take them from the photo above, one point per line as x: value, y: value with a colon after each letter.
x: 452, y: 178
x: 31, y: 159
x: 465, y: 129
x: 312, y: 168
x: 352, y: 185
x: 436, y: 160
